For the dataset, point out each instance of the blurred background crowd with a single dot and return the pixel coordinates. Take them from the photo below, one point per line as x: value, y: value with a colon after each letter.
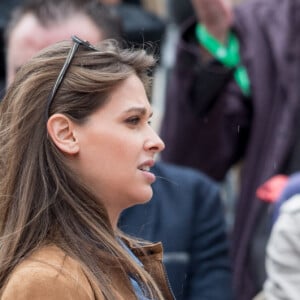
x: 226, y: 102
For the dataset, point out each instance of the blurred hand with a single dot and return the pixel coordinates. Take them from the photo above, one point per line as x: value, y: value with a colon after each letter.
x: 215, y: 15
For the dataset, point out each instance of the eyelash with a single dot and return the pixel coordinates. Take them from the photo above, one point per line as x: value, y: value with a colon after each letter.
x: 136, y: 121
x: 133, y: 120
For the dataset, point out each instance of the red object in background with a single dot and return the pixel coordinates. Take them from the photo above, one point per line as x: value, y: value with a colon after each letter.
x: 272, y: 188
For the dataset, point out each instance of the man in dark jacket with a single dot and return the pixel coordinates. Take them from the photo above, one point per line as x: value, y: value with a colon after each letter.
x: 211, y: 124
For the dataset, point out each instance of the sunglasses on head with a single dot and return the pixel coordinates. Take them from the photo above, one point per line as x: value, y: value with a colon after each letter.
x: 77, y: 42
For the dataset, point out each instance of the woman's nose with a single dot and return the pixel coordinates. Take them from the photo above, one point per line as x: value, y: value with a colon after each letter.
x: 154, y: 143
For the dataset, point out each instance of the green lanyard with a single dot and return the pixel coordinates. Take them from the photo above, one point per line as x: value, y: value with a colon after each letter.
x: 229, y: 56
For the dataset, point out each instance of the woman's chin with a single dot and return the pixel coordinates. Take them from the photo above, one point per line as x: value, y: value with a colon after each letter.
x: 144, y: 196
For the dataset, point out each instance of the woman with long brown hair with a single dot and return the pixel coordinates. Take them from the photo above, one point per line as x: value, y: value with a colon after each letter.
x: 76, y: 149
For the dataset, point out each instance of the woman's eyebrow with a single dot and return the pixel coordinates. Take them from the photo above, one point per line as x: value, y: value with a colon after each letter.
x: 139, y: 110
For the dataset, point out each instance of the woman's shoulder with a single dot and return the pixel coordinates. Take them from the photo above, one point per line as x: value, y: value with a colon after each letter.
x: 48, y: 260
x: 48, y: 273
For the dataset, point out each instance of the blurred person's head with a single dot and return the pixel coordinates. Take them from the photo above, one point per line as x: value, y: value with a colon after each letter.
x: 35, y: 24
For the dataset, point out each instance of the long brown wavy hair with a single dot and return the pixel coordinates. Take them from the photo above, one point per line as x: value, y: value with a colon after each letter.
x: 41, y: 199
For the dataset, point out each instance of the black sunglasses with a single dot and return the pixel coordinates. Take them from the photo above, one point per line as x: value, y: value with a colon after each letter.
x: 77, y: 42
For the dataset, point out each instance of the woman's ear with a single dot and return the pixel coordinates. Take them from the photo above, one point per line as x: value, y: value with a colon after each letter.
x: 61, y: 131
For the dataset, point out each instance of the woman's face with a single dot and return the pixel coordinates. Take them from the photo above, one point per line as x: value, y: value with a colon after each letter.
x: 117, y: 148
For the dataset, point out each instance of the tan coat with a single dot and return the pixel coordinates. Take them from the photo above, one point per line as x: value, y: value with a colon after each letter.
x: 49, y: 274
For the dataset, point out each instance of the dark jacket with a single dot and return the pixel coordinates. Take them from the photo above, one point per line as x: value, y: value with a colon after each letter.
x: 185, y: 213
x: 260, y: 130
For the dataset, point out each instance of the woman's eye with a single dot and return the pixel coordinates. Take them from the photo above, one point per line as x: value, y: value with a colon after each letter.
x: 133, y: 120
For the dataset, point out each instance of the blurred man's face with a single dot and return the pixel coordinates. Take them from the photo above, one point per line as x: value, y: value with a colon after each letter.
x: 29, y: 37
